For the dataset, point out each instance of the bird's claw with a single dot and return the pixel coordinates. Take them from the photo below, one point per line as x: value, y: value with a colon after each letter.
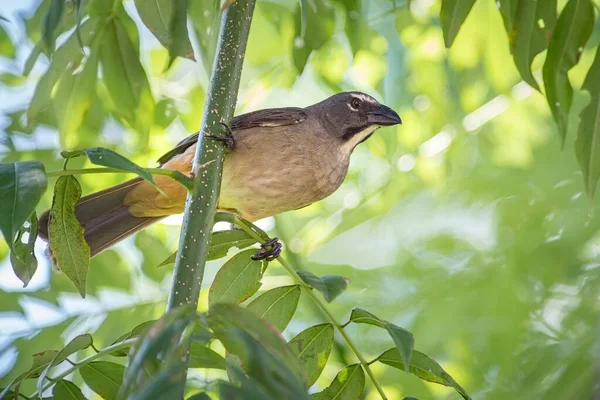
x: 269, y: 250
x: 228, y: 139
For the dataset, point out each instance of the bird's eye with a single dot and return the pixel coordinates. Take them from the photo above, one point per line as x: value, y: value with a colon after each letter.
x: 355, y: 103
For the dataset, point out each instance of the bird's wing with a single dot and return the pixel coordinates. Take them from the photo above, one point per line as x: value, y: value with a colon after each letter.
x: 269, y: 118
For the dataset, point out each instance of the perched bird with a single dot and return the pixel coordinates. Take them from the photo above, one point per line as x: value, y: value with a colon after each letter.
x: 282, y: 159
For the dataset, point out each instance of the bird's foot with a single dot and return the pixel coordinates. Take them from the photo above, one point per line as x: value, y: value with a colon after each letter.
x: 269, y: 251
x: 228, y: 139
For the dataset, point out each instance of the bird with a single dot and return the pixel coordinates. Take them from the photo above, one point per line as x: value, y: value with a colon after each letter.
x: 280, y: 159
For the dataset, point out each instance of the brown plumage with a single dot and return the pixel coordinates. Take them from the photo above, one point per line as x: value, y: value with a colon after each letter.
x: 283, y: 159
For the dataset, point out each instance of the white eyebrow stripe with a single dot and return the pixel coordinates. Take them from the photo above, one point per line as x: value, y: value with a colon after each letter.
x: 365, y: 97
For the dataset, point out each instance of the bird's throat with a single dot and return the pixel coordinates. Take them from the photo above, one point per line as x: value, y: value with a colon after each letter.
x: 351, y: 141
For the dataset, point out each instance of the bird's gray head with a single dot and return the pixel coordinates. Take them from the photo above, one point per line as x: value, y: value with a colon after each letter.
x: 354, y: 116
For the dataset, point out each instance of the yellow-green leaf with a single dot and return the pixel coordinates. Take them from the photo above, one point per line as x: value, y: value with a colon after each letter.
x: 103, y: 377
x: 348, y: 384
x: 238, y: 279
x: 67, y: 390
x: 572, y: 31
x: 312, y: 346
x: 68, y: 247
x: 204, y: 357
x: 277, y: 306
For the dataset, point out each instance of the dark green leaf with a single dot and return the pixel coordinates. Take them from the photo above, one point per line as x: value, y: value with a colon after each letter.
x: 508, y: 10
x: 228, y: 320
x: 203, y: 357
x: 69, y: 249
x: 51, y: 22
x: 158, y: 338
x: 30, y: 62
x: 167, y: 382
x: 403, y: 339
x: 73, y: 95
x: 277, y: 306
x: 238, y: 279
x: 103, y: 377
x: 360, y: 34
x: 534, y: 22
x: 67, y: 390
x: 331, y: 286
x: 422, y: 366
x: 179, y: 38
x: 348, y: 384
x: 220, y: 243
x: 80, y: 342
x: 312, y: 347
x: 572, y: 31
x: 108, y: 158
x: 22, y: 256
x: 157, y: 15
x: 453, y: 15
x: 21, y: 187
x: 588, y: 135
x: 125, y: 78
x: 320, y: 16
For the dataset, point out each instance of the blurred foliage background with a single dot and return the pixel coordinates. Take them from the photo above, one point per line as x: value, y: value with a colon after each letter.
x: 466, y: 225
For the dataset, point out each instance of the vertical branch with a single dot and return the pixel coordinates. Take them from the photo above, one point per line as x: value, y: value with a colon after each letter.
x: 202, y: 200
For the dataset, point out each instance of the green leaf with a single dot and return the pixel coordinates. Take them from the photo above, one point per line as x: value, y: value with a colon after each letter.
x: 160, y: 337
x: 40, y: 361
x: 587, y: 145
x: 21, y: 187
x: 403, y: 339
x: 320, y: 16
x: 74, y: 93
x: 508, y: 10
x: 312, y: 347
x: 67, y: 390
x: 348, y: 384
x: 178, y: 31
x: 108, y: 158
x: 203, y: 357
x: 167, y: 382
x: 534, y: 22
x: 7, y: 49
x: 103, y: 377
x: 157, y: 16
x: 422, y: 366
x: 51, y: 22
x: 572, y: 31
x: 125, y: 79
x: 68, y: 247
x: 68, y: 53
x: 453, y: 15
x: 238, y: 279
x: 80, y: 342
x: 331, y: 286
x: 220, y: 243
x: 22, y: 256
x: 135, y: 332
x: 227, y: 320
x: 199, y: 396
x: 277, y: 306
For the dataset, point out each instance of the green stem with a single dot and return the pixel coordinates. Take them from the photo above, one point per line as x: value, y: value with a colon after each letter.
x: 201, y: 203
x: 84, y: 361
x: 262, y: 237
x: 184, y: 180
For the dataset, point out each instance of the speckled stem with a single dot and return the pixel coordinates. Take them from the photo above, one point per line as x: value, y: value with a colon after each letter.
x: 201, y: 202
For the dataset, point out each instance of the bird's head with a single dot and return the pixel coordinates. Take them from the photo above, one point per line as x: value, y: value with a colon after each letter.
x: 354, y: 116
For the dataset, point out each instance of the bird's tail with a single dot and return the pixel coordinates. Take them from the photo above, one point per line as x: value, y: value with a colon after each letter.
x: 105, y: 219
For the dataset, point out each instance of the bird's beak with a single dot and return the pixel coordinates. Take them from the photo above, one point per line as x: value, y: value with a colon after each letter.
x: 383, y: 116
